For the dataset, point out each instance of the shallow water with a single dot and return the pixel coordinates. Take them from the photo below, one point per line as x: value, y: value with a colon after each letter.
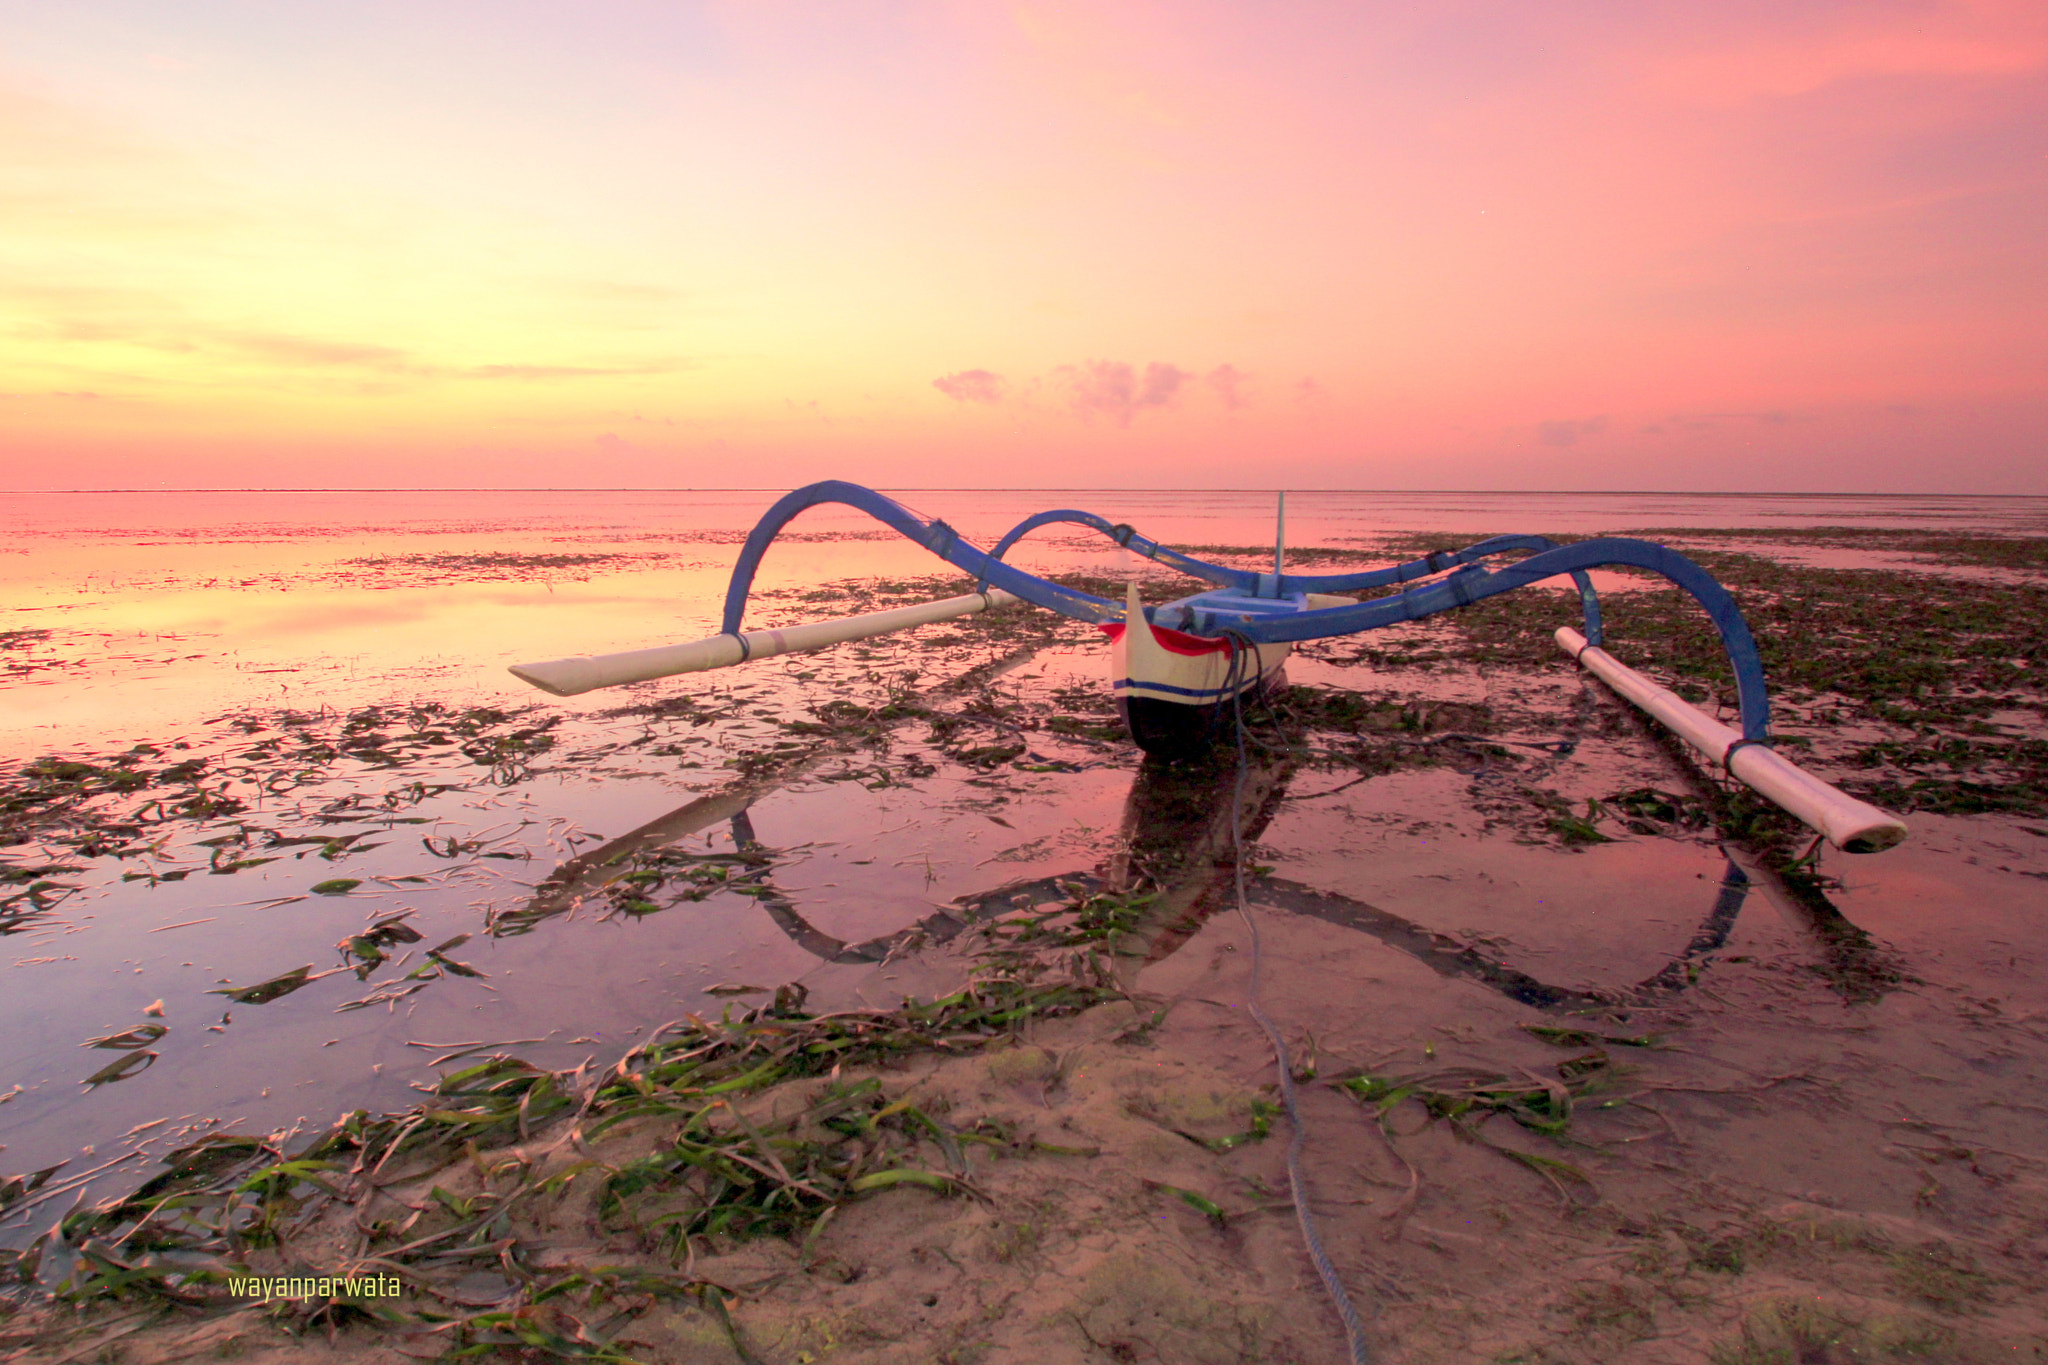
x: 195, y: 622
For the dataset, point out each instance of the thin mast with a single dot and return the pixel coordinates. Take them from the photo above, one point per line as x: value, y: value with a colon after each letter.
x: 1280, y: 538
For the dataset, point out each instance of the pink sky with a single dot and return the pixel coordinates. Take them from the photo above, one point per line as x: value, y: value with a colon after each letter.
x: 1486, y: 244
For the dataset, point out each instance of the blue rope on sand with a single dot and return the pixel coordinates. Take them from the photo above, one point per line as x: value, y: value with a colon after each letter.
x: 1297, y: 1179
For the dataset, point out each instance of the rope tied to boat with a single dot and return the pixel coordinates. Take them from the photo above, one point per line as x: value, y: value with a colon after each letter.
x: 1460, y: 584
x: 1728, y: 758
x: 1297, y: 1179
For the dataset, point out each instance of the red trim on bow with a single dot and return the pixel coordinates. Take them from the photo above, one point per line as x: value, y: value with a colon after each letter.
x: 1173, y: 641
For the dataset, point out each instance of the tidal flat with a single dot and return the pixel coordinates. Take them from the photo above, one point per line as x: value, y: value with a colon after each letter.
x: 879, y: 1004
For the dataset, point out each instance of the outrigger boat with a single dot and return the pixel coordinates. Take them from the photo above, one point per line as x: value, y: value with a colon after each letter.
x: 1178, y: 669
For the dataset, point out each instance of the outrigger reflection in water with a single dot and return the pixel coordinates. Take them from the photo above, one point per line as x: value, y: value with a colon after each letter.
x: 1176, y: 668
x: 1171, y: 868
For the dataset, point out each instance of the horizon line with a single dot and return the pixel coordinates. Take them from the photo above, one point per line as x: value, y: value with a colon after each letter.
x: 1066, y: 488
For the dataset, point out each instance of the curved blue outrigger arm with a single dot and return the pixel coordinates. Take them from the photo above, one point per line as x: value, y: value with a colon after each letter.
x: 1266, y: 584
x: 1472, y: 584
x: 1468, y: 583
x: 941, y: 539
x: 1277, y: 585
x: 989, y: 570
x: 1126, y: 536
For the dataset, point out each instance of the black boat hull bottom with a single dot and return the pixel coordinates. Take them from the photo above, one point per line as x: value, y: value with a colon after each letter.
x: 1178, y: 732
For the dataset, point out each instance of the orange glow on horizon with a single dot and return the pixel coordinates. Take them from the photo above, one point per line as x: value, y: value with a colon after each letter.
x: 1107, y: 244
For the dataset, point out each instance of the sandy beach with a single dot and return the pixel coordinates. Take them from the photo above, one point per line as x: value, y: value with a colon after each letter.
x: 882, y: 1007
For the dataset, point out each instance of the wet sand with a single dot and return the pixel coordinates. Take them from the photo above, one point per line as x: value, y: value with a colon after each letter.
x: 1795, y: 1113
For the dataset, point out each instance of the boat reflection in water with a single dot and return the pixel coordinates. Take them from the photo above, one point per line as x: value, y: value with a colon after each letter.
x: 1175, y: 858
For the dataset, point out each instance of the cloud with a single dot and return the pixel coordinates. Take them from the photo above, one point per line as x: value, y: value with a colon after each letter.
x: 1226, y: 379
x: 292, y: 350
x: 1112, y: 389
x: 1161, y: 383
x: 971, y: 386
x: 554, y: 371
x: 1706, y: 421
x: 312, y: 351
x: 1566, y: 431
x: 1859, y: 46
x: 50, y: 135
x: 1101, y: 388
x: 75, y: 174
x: 46, y: 313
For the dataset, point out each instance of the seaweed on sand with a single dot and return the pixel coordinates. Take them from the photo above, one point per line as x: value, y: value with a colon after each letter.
x: 1951, y: 664
x: 1465, y: 1099
x: 121, y: 803
x: 450, y: 1194
x: 1980, y: 551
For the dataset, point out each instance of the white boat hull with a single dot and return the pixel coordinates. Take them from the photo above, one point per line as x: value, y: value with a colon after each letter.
x: 1174, y: 690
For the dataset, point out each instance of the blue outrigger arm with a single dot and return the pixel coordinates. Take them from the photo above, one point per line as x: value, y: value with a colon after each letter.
x: 1438, y: 582
x: 941, y: 539
x: 1267, y: 584
x: 1467, y: 582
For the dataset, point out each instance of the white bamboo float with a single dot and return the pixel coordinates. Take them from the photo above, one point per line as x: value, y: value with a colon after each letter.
x: 567, y: 677
x: 1850, y: 825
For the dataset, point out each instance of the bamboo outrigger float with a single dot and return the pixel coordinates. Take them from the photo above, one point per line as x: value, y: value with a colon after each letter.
x: 1177, y: 668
